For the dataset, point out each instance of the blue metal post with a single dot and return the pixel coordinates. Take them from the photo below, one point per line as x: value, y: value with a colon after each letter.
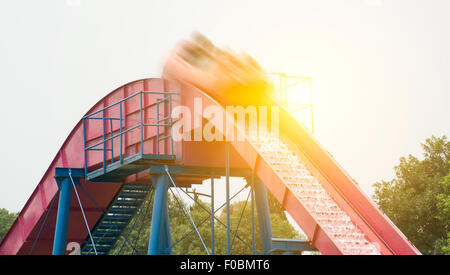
x: 212, y: 215
x: 104, y: 141
x: 84, y: 143
x: 227, y: 179
x: 171, y: 122
x: 157, y: 126
x: 252, y: 189
x: 262, y: 207
x: 121, y: 134
x: 59, y: 243
x: 112, y: 140
x: 167, y: 247
x: 160, y: 217
x: 142, y: 123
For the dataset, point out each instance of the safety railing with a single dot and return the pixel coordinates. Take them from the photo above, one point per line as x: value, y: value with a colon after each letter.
x: 108, y: 138
x: 295, y: 94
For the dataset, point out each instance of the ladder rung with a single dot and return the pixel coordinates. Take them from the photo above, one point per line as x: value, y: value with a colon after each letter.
x: 163, y: 138
x: 165, y: 118
x: 160, y: 100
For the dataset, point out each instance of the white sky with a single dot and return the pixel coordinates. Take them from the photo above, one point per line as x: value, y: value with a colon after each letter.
x: 380, y: 70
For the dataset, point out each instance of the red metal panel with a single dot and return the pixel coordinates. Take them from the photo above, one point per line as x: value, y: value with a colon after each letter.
x: 210, y: 154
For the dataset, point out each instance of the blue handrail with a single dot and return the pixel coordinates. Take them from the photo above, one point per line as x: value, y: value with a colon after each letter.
x: 105, y: 119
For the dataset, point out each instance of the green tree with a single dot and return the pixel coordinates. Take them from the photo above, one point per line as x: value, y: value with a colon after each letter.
x: 184, y: 238
x: 240, y: 228
x: 444, y: 214
x: 6, y: 220
x: 417, y: 199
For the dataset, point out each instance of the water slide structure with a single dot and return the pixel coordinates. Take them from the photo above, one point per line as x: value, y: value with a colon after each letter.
x: 123, y: 154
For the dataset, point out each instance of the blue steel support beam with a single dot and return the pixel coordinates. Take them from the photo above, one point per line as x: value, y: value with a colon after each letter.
x: 59, y: 243
x: 252, y: 186
x: 212, y: 214
x: 227, y: 189
x: 167, y: 246
x: 65, y: 193
x: 262, y: 208
x: 290, y: 246
x: 160, y: 219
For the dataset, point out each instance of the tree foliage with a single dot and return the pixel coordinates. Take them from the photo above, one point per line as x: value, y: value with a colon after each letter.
x: 6, y: 220
x: 417, y: 199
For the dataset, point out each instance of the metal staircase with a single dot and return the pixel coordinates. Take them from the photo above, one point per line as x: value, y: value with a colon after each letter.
x: 121, y: 211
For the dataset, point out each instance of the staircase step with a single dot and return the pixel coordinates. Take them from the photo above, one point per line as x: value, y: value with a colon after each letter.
x: 135, y: 203
x: 98, y: 247
x: 117, y: 210
x: 137, y: 186
x: 107, y: 234
x: 128, y: 194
